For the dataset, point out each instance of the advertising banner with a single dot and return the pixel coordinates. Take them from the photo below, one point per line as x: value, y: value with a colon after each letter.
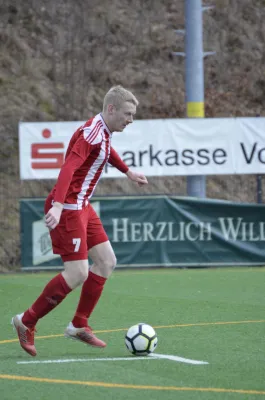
x: 159, y: 231
x: 162, y: 147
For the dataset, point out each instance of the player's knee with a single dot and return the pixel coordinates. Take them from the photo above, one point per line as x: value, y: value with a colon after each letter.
x: 114, y: 261
x: 76, y: 273
x: 110, y: 262
x: 82, y: 275
x: 105, y: 266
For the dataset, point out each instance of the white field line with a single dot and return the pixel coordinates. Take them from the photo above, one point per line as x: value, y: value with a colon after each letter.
x: 82, y: 360
x: 151, y: 356
x: 178, y: 359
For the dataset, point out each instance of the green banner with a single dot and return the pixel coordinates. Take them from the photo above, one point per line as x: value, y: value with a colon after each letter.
x: 159, y: 231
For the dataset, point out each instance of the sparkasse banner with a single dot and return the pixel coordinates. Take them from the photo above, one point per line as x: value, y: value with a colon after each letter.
x: 161, y: 147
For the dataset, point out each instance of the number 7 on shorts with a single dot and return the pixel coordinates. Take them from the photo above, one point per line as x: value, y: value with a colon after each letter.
x: 76, y: 242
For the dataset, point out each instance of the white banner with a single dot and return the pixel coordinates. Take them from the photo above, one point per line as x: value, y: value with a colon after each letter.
x: 159, y: 147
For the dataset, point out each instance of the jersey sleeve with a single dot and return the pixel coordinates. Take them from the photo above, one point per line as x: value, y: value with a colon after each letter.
x: 82, y: 147
x: 78, y: 154
x: 116, y: 161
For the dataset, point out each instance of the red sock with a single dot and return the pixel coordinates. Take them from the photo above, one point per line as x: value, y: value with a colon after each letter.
x: 90, y: 294
x: 53, y: 294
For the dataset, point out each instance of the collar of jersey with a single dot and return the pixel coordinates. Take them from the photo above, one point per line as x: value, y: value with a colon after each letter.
x: 105, y: 125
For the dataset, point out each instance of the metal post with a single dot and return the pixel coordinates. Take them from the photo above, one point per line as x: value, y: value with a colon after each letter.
x: 259, y: 184
x: 259, y: 189
x: 196, y: 185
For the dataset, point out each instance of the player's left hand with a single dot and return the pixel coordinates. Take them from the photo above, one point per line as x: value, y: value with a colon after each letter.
x: 136, y: 177
x: 52, y: 218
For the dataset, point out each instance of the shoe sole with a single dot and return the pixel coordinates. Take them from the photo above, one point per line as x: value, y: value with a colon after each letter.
x: 67, y: 336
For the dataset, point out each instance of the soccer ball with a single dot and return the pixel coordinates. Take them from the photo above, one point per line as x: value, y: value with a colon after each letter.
x: 141, y: 339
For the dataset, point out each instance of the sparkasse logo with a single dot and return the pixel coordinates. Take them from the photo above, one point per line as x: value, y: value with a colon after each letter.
x: 47, y: 155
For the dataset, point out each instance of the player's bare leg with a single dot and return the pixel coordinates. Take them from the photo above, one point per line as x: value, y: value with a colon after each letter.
x: 75, y: 272
x: 104, y: 261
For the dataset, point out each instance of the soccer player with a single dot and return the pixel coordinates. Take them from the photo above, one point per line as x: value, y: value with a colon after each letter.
x: 75, y: 228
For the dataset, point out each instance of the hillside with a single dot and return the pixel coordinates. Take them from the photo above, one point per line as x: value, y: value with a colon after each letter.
x: 57, y: 60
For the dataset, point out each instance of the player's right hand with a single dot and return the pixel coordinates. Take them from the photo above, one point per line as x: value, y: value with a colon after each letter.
x: 52, y: 218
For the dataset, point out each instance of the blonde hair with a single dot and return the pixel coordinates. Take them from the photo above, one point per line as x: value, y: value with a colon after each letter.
x: 117, y: 95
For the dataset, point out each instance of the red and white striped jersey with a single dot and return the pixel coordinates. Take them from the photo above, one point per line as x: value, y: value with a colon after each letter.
x: 88, y: 151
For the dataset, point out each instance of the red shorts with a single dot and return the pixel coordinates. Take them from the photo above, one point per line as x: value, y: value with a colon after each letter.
x: 77, y: 232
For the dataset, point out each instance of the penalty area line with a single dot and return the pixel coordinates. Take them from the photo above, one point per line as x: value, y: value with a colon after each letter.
x: 136, y: 358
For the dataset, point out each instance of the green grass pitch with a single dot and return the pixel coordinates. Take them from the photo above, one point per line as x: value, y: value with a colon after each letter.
x: 211, y: 315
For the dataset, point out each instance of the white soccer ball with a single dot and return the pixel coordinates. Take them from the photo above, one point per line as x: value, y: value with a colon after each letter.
x: 141, y: 339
